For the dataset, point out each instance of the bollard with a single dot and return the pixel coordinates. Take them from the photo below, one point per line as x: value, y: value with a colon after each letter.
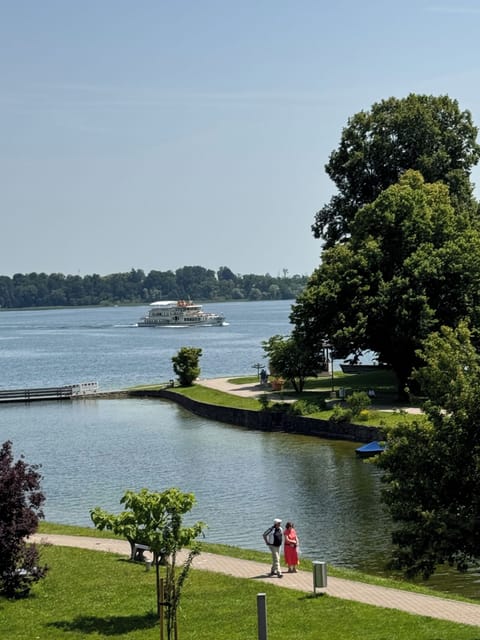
x: 319, y: 575
x: 262, y: 616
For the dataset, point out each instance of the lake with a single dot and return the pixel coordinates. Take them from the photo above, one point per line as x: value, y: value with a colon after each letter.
x: 91, y: 451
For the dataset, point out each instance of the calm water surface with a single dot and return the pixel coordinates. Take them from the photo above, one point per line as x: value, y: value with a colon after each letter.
x: 92, y: 451
x: 64, y: 346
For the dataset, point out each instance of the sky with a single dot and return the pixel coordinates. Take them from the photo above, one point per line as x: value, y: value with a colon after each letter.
x: 157, y: 134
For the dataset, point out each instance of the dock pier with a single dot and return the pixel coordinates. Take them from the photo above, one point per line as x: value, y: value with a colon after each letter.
x: 66, y: 392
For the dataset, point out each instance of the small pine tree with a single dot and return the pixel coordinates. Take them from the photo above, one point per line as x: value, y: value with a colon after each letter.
x: 20, y: 509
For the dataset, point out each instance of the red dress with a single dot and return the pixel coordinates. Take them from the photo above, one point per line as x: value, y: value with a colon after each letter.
x: 290, y: 547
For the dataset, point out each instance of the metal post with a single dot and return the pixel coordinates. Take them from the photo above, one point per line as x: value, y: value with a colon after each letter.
x: 162, y: 600
x: 257, y: 366
x: 331, y: 364
x: 262, y: 616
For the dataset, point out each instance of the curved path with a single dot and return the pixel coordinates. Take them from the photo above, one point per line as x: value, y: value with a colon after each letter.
x: 255, y: 390
x: 415, y: 603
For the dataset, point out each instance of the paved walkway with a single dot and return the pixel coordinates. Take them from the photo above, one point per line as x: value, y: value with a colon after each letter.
x: 255, y: 390
x: 430, y: 606
x: 249, y: 390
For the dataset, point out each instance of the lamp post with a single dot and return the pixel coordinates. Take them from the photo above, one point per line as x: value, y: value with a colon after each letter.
x: 257, y: 366
x: 329, y: 355
x: 332, y: 353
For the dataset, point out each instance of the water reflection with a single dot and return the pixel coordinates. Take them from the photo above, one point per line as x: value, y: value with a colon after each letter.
x: 93, y: 451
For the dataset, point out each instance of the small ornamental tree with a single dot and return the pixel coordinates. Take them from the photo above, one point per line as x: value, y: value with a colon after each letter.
x: 185, y: 365
x: 292, y: 359
x: 156, y: 520
x: 20, y: 510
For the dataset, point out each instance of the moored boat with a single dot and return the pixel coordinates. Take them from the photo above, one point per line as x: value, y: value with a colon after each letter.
x: 179, y: 313
x: 362, y: 368
x: 371, y: 449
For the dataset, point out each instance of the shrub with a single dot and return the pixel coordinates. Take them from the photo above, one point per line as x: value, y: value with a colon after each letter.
x: 357, y: 402
x: 20, y: 509
x: 307, y: 407
x: 264, y: 402
x: 341, y: 415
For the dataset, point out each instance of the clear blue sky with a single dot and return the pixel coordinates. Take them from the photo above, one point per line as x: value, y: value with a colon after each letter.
x: 153, y: 134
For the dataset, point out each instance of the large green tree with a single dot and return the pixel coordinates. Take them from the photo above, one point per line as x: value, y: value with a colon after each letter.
x: 427, y: 133
x: 432, y: 467
x: 379, y: 286
x: 411, y: 265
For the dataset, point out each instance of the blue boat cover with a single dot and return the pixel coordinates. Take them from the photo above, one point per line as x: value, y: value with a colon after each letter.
x: 371, y: 448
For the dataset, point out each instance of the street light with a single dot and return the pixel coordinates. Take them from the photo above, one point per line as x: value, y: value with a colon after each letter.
x: 258, y: 366
x: 329, y: 355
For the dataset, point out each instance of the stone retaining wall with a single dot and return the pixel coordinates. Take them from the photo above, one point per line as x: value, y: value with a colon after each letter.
x: 269, y: 420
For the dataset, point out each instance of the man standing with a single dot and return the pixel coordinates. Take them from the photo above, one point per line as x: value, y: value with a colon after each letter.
x: 273, y: 537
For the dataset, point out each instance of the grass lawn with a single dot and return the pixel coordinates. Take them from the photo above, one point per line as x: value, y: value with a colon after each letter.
x: 88, y: 594
x: 318, y: 390
x: 395, y: 581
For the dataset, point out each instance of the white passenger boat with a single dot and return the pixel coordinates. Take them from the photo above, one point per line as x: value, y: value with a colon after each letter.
x: 168, y: 313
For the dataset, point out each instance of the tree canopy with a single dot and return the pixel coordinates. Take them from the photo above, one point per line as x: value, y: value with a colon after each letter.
x: 189, y: 282
x: 186, y: 365
x: 290, y: 359
x: 427, y: 133
x: 402, y: 250
x: 432, y: 468
x: 410, y: 266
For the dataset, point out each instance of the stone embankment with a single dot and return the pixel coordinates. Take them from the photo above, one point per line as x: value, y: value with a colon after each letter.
x: 268, y: 420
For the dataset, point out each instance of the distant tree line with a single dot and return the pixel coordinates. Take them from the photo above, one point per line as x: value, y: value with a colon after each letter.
x: 189, y: 282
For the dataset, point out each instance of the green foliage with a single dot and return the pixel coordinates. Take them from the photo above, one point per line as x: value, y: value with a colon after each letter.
x: 291, y: 358
x: 364, y: 415
x: 426, y: 133
x: 264, y: 401
x: 156, y: 520
x: 112, y: 599
x: 185, y: 365
x: 57, y: 289
x: 307, y: 407
x: 21, y: 503
x: 357, y: 402
x: 340, y: 414
x: 411, y: 265
x: 402, y: 250
x: 432, y: 467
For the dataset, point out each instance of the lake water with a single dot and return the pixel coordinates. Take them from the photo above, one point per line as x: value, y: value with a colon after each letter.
x: 91, y: 451
x: 64, y: 346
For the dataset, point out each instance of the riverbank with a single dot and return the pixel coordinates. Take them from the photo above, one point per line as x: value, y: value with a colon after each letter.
x: 262, y: 420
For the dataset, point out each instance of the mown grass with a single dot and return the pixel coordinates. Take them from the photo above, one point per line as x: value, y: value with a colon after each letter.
x: 88, y: 594
x: 317, y: 391
x: 395, y: 581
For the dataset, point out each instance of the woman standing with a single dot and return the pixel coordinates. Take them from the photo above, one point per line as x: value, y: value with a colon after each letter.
x: 290, y: 547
